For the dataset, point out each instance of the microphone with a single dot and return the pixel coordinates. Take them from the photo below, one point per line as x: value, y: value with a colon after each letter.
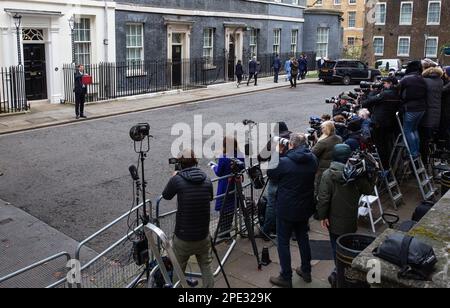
x: 247, y: 122
x: 134, y: 173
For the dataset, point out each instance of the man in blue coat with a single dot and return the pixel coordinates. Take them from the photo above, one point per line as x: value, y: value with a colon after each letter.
x: 294, y: 175
x: 276, y: 65
x: 253, y: 71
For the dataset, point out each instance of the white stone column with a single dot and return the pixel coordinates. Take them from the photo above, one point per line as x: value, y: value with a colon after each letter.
x: 54, y: 63
x: 5, y: 54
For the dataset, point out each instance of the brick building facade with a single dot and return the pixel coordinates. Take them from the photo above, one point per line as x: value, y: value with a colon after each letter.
x: 408, y: 30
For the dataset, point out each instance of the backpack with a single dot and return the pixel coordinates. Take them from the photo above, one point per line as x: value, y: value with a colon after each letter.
x: 415, y: 258
x: 422, y: 210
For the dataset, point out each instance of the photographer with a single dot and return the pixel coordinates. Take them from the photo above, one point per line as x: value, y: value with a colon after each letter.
x: 294, y: 176
x: 223, y: 169
x: 338, y: 201
x: 270, y: 217
x: 445, y: 116
x: 195, y: 192
x: 384, y: 105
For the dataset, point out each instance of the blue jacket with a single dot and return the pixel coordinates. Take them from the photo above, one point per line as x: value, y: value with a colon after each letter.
x: 223, y: 168
x: 303, y: 64
x: 253, y: 67
x: 276, y: 64
x: 295, y: 176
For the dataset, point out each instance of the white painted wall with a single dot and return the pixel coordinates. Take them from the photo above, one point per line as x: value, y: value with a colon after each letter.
x: 58, y: 34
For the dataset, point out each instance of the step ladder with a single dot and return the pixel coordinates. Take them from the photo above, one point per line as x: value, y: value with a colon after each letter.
x: 367, y: 204
x: 390, y: 181
x: 405, y: 164
x: 152, y: 231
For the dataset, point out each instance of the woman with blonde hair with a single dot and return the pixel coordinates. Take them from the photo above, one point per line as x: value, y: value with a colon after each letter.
x: 324, y: 148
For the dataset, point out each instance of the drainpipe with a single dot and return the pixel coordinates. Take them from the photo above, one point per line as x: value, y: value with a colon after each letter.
x: 106, y: 30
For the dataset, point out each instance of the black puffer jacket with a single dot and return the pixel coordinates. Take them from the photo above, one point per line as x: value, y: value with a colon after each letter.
x: 445, y: 117
x: 433, y: 79
x: 414, y: 92
x: 195, y: 192
x: 383, y: 107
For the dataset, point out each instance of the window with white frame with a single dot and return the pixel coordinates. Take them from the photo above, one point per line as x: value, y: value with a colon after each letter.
x: 319, y: 2
x: 378, y: 45
x: 352, y: 2
x: 404, y: 46
x: 351, y: 19
x: 351, y: 40
x: 434, y: 13
x: 276, y: 41
x: 406, y: 13
x: 135, y: 43
x: 431, y: 47
x: 322, y: 42
x: 294, y: 41
x: 82, y: 41
x: 337, y: 2
x: 208, y: 45
x: 380, y: 13
x: 254, y: 42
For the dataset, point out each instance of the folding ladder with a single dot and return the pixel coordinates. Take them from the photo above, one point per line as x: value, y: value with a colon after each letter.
x: 390, y: 182
x: 406, y: 164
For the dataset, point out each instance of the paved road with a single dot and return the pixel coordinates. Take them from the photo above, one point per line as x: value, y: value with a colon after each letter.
x: 75, y: 177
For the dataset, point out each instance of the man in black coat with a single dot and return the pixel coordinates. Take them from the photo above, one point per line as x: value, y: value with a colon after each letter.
x: 383, y: 107
x: 276, y: 65
x: 294, y: 175
x: 195, y: 192
x: 80, y: 92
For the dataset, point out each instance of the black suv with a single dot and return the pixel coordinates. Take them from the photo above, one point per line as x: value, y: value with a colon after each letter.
x: 347, y: 71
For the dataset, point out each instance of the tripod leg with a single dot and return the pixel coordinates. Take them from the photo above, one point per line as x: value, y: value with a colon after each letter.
x: 220, y: 264
x: 247, y: 221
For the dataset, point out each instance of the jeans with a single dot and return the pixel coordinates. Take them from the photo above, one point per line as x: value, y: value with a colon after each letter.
x: 293, y: 81
x: 270, y: 221
x: 277, y: 73
x: 284, y: 233
x: 411, y: 126
x: 333, y: 241
x: 252, y: 75
x: 202, y: 251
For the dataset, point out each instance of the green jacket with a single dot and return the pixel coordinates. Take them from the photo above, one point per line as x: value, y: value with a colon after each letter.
x: 324, y: 151
x: 338, y: 202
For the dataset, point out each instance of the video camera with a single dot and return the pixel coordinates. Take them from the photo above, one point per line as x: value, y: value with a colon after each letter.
x: 176, y: 162
x: 281, y: 141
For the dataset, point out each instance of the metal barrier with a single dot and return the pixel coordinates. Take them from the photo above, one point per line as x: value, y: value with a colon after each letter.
x: 114, y: 267
x: 32, y: 277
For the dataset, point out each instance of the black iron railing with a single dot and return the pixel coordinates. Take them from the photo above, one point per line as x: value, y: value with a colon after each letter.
x: 12, y: 90
x: 116, y: 80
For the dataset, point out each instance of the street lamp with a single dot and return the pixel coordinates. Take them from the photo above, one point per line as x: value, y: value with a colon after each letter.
x: 18, y: 22
x: 72, y: 35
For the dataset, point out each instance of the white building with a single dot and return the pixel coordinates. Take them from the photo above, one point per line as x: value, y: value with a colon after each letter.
x: 46, y: 40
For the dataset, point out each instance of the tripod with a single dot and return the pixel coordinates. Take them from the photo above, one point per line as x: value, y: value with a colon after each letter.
x: 242, y: 205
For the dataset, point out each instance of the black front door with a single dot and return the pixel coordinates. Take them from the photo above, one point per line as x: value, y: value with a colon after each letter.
x: 231, y: 61
x: 35, y: 74
x: 177, y: 66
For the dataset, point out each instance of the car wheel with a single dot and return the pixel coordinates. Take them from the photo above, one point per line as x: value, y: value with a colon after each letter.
x: 347, y: 80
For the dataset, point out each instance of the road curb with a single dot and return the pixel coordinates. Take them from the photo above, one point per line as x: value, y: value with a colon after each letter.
x: 193, y: 101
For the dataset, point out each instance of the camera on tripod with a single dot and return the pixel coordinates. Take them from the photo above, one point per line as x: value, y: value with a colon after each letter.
x: 237, y: 166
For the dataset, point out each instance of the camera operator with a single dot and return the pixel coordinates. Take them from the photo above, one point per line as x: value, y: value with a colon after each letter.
x: 195, y: 192
x: 294, y: 176
x: 384, y: 105
x: 270, y: 217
